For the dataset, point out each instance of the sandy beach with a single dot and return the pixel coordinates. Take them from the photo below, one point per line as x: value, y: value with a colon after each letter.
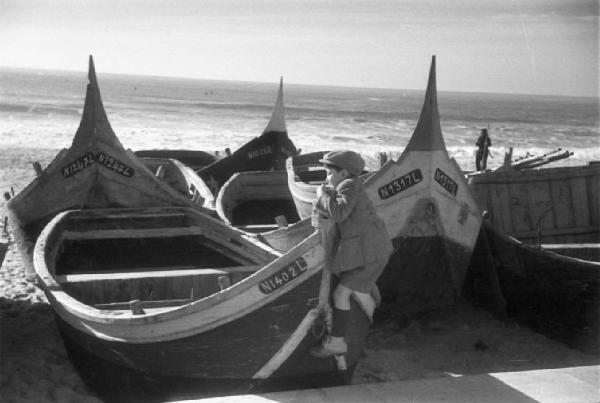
x: 34, y: 366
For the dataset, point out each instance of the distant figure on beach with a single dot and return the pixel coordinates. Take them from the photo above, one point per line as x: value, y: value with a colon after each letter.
x: 483, y: 150
x: 356, y: 242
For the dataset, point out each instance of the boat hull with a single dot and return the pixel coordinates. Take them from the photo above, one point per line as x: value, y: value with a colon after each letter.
x: 222, y: 361
x: 555, y: 295
x: 135, y: 308
x: 433, y: 222
x: 423, y: 275
x: 264, y: 153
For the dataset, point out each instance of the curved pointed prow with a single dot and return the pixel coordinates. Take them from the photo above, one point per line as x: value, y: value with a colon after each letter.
x: 94, y: 119
x: 428, y: 133
x: 277, y: 122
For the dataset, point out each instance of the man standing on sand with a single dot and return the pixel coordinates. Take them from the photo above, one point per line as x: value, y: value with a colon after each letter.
x: 356, y: 242
x: 483, y: 150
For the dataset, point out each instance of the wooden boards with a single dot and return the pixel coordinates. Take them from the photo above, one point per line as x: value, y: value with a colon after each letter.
x: 547, y: 205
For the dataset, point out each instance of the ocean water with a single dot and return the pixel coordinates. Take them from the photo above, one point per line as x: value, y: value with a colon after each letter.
x: 42, y: 109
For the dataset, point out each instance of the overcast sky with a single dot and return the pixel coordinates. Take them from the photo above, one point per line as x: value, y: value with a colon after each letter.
x: 509, y: 46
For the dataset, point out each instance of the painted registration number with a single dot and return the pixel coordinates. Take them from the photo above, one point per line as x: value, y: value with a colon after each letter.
x: 283, y: 276
x: 447, y: 183
x: 400, y: 184
x: 101, y: 158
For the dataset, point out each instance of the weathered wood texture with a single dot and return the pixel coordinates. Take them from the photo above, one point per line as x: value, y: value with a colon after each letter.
x: 549, y: 205
x: 221, y: 361
x: 555, y: 295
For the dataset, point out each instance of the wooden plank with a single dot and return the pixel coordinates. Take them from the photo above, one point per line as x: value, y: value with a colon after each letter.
x: 480, y: 194
x: 257, y: 228
x: 581, y: 208
x: 593, y: 188
x: 560, y: 192
x: 158, y: 272
x: 519, y: 205
x: 543, y: 174
x: 500, y: 207
x: 541, y: 209
x: 85, y: 216
x: 145, y: 304
x: 132, y: 233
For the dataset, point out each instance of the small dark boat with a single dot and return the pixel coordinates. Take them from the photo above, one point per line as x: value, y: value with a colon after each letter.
x: 95, y: 172
x: 264, y: 153
x: 161, y: 303
x: 554, y: 294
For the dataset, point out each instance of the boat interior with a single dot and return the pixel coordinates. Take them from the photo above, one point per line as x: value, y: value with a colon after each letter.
x: 136, y: 262
x: 307, y: 168
x: 257, y: 215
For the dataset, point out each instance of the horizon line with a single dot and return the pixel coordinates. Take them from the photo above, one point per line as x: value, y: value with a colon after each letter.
x: 166, y: 76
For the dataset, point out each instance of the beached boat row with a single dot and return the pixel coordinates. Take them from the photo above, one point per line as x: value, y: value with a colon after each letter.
x: 168, y: 279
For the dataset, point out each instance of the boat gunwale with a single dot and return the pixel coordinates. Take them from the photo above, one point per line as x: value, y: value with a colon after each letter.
x: 511, y: 240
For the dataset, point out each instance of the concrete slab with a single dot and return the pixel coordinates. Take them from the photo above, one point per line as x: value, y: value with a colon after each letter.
x: 574, y: 385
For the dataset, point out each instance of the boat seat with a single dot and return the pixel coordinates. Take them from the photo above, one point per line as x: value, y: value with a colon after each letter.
x: 156, y: 273
x: 131, y: 233
x: 144, y: 305
x: 158, y: 286
x: 309, y: 167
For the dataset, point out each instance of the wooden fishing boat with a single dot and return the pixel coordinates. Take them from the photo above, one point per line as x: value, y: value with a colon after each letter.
x: 558, y: 205
x: 264, y: 153
x: 304, y: 174
x: 255, y: 201
x: 429, y: 211
x: 194, y: 159
x: 430, y: 214
x: 554, y: 294
x: 160, y: 303
x: 95, y: 172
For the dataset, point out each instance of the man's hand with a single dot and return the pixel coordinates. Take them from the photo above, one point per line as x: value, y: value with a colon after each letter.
x: 320, y: 190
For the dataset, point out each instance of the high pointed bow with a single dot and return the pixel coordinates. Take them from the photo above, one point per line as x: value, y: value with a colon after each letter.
x: 94, y: 119
x: 277, y: 122
x: 428, y: 133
